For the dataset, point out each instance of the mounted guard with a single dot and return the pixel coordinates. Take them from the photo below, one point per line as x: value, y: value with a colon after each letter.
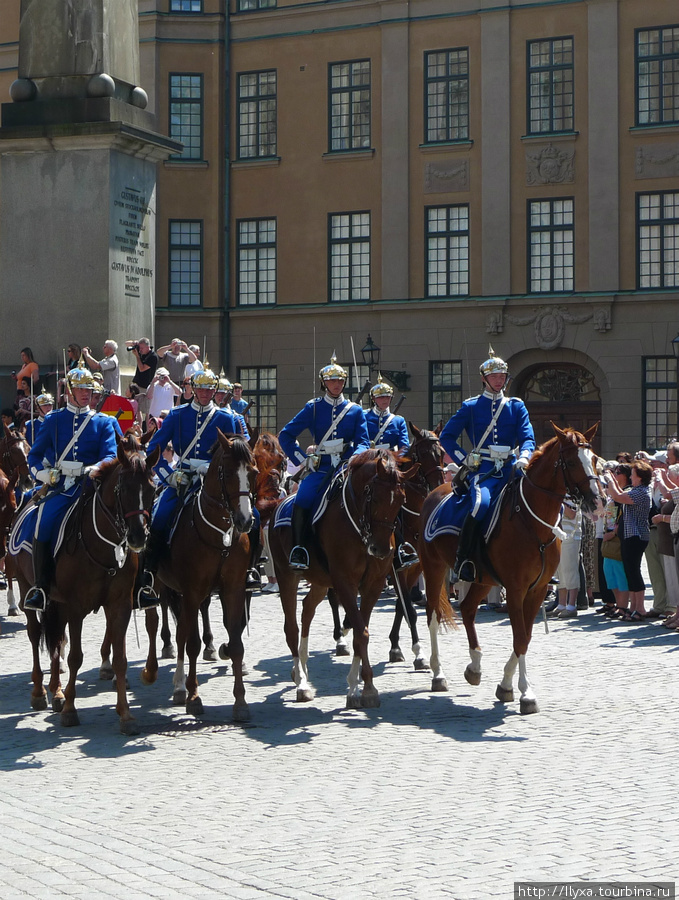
x: 44, y: 404
x: 339, y: 431
x: 495, y: 424
x: 388, y: 431
x: 71, y: 442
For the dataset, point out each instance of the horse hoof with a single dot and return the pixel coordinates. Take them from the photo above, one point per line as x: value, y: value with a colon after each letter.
x: 194, y: 707
x: 129, y: 727
x: 528, y: 705
x: 13, y: 611
x: 244, y: 669
x: 420, y: 665
x: 147, y: 677
x: 342, y: 650
x: 471, y: 676
x: 210, y: 654
x: 353, y: 701
x: 69, y: 719
x: 106, y: 672
x: 504, y: 695
x: 396, y: 655
x: 179, y: 698
x: 370, y: 699
x: 224, y: 651
x: 39, y: 703
x: 241, y: 712
x: 57, y: 704
x: 439, y: 685
x: 62, y: 668
x: 304, y: 695
x: 168, y: 652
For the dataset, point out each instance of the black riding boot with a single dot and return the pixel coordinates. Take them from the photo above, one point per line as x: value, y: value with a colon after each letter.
x: 43, y: 565
x: 464, y: 568
x: 253, y: 582
x: 299, y: 557
x: 145, y: 595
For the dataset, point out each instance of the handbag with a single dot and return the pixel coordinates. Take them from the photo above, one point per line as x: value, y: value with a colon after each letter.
x: 612, y: 549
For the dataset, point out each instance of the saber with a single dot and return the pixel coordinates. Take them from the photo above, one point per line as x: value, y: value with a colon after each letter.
x: 353, y: 353
x: 32, y: 411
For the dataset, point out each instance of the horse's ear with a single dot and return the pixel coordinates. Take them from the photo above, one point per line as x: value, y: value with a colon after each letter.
x: 8, y: 433
x: 439, y: 428
x: 122, y: 456
x: 411, y: 473
x: 223, y: 440
x: 152, y: 460
x: 557, y: 431
x: 381, y: 469
x: 589, y: 434
x: 254, y: 436
x: 414, y: 430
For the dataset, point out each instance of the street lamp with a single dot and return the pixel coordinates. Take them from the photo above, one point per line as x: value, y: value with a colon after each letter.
x: 371, y: 358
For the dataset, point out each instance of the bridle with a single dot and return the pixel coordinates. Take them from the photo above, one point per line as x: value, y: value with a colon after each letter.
x: 223, y: 503
x: 435, y: 470
x: 364, y: 522
x: 7, y: 444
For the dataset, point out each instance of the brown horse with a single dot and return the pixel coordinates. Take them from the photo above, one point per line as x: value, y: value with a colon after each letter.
x: 96, y: 567
x: 209, y: 551
x: 522, y: 554
x: 353, y: 552
x: 7, y: 510
x: 14, y: 457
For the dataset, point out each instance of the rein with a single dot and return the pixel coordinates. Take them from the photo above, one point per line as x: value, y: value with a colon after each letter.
x: 363, y: 527
x: 223, y: 503
x: 117, y: 522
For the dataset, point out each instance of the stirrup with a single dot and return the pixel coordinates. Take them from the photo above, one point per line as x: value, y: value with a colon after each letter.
x: 36, y: 599
x: 146, y: 597
x: 406, y: 556
x: 299, y: 558
x: 253, y: 580
x: 466, y: 571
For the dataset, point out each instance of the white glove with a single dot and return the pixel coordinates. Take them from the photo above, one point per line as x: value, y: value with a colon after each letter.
x: 312, y: 463
x: 49, y: 476
x: 521, y: 463
x: 473, y: 461
x: 202, y: 470
x: 177, y: 478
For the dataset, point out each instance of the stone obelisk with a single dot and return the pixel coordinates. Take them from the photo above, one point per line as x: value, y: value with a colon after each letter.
x: 78, y: 155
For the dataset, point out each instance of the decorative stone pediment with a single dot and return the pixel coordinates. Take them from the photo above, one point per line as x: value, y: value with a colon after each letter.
x: 550, y: 322
x: 446, y: 177
x: 550, y: 165
x: 657, y: 161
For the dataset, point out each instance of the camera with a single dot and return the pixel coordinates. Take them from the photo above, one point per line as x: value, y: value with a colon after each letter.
x: 134, y: 346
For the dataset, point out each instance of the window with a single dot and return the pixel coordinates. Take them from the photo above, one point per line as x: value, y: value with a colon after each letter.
x: 447, y: 251
x: 657, y: 76
x: 256, y: 262
x: 349, y: 252
x: 186, y: 263
x: 248, y: 5
x: 550, y: 245
x: 186, y: 114
x: 446, y: 100
x: 358, y: 374
x: 660, y: 401
x: 186, y: 6
x: 257, y: 114
x: 445, y: 390
x: 550, y: 85
x: 658, y: 240
x: 259, y: 384
x: 349, y: 114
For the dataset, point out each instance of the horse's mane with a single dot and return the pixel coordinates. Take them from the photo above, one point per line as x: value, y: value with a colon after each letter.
x: 545, y: 448
x: 268, y: 451
x: 368, y: 456
x: 240, y: 447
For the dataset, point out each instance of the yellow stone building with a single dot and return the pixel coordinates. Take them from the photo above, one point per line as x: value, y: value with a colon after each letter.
x: 439, y: 175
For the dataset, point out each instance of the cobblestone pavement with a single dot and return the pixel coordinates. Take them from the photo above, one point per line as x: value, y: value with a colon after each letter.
x: 431, y: 795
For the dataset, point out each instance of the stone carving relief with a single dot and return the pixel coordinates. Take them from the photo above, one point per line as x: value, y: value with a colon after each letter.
x: 657, y: 161
x: 446, y: 177
x: 550, y: 323
x: 550, y: 165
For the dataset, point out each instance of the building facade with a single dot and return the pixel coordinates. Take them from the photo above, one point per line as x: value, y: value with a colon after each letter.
x: 439, y: 175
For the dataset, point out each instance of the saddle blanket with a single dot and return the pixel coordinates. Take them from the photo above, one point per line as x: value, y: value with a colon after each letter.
x: 448, y: 517
x: 283, y: 513
x: 23, y: 530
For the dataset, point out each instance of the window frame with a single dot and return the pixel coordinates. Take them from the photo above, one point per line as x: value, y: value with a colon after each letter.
x: 258, y: 245
x: 187, y: 12
x: 258, y: 100
x: 332, y: 242
x: 448, y: 79
x: 661, y: 57
x: 662, y: 224
x: 363, y: 372
x: 448, y: 234
x: 449, y: 386
x: 172, y: 247
x: 332, y: 92
x: 551, y: 228
x: 257, y: 392
x: 189, y: 102
x: 551, y: 68
x: 669, y: 401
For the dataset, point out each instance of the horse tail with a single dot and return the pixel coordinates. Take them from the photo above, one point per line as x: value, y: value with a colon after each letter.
x: 52, y: 631
x: 445, y: 613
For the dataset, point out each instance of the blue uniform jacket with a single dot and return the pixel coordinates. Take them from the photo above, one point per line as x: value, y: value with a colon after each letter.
x: 239, y: 406
x: 316, y: 417
x: 512, y: 429
x: 394, y: 436
x: 33, y: 428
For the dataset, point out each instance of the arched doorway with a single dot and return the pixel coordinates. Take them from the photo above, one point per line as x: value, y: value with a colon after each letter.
x: 564, y: 393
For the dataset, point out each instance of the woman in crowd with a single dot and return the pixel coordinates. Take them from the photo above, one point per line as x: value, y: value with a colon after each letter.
x: 636, y: 504
x: 668, y: 517
x: 29, y: 369
x: 614, y: 570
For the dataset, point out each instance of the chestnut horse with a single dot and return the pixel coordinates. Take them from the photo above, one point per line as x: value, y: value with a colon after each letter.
x: 522, y: 554
x: 352, y: 552
x: 14, y: 458
x: 95, y: 567
x: 7, y: 510
x: 209, y: 551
